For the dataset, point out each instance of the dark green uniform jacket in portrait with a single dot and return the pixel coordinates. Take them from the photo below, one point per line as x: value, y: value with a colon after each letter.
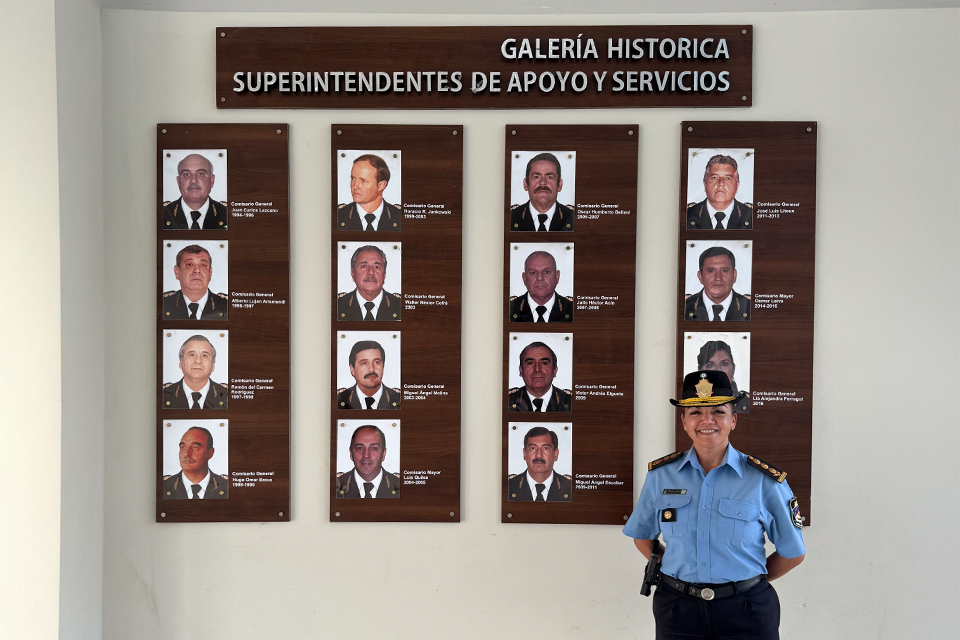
x: 350, y: 307
x: 351, y: 398
x: 520, y: 310
x: 519, y: 490
x: 698, y: 216
x: 738, y: 311
x: 389, y: 485
x: 522, y: 219
x: 176, y: 396
x: 217, y: 489
x: 519, y: 400
x: 349, y: 220
x: 176, y: 217
x: 175, y: 306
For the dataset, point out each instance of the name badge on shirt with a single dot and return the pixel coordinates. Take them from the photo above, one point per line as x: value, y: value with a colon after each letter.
x: 674, y: 492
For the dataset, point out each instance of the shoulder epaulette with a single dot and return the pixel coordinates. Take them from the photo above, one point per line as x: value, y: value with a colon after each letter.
x: 339, y: 473
x: 673, y: 457
x: 514, y: 390
x: 748, y: 204
x: 567, y: 477
x: 167, y: 477
x: 167, y: 294
x: 569, y: 298
x: 222, y: 384
x: 168, y: 384
x: 224, y: 296
x: 341, y: 390
x: 395, y: 475
x: 397, y: 391
x: 223, y: 202
x: 746, y: 295
x: 341, y: 206
x: 567, y: 391
x: 224, y: 476
x: 514, y: 206
x: 166, y: 202
x: 767, y: 469
x: 340, y: 295
x: 396, y: 295
x: 692, y: 204
x: 512, y: 298
x: 511, y: 476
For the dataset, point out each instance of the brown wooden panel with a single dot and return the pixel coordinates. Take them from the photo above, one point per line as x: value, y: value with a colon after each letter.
x: 778, y: 427
x: 657, y: 77
x: 431, y: 241
x: 256, y: 422
x: 604, y: 279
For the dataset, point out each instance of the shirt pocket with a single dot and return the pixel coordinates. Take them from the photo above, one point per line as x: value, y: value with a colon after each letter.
x: 680, y: 513
x: 738, y: 519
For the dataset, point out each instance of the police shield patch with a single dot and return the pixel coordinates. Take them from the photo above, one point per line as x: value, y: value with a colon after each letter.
x: 795, y: 512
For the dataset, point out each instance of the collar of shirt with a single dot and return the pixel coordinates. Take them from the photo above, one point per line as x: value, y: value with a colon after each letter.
x: 376, y: 212
x: 546, y: 486
x: 549, y: 305
x: 376, y: 397
x: 201, y: 303
x: 545, y: 397
x: 731, y: 458
x: 536, y: 221
x: 363, y: 490
x: 203, y: 393
x: 708, y: 304
x: 189, y: 485
x: 713, y: 212
x: 203, y: 212
x: 376, y: 302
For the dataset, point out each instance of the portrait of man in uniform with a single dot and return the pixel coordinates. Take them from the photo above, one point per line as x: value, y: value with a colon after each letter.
x: 537, y: 371
x: 369, y: 300
x: 716, y: 274
x: 542, y: 181
x: 728, y: 352
x: 193, y: 272
x: 196, y: 178
x: 716, y: 205
x: 535, y: 298
x: 367, y: 360
x: 196, y: 361
x: 540, y: 479
x: 369, y: 180
x: 194, y: 480
x: 368, y: 450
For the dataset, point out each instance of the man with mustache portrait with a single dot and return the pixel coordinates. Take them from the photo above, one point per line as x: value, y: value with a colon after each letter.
x: 720, y: 210
x: 195, y: 209
x: 540, y: 483
x: 195, y: 480
x: 366, y: 367
x: 542, y: 212
x: 369, y: 301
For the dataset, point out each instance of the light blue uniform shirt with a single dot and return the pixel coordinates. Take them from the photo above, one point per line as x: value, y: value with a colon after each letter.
x: 715, y: 530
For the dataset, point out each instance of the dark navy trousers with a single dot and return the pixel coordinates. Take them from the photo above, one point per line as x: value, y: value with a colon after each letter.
x: 751, y: 615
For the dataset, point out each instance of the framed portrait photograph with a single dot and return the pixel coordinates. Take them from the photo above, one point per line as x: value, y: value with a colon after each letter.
x: 368, y: 370
x: 369, y: 281
x: 718, y: 280
x: 541, y: 282
x: 720, y: 189
x: 194, y: 188
x: 196, y: 462
x: 540, y: 462
x: 195, y: 280
x: 196, y: 365
x: 369, y: 190
x: 725, y: 351
x: 543, y: 190
x: 540, y: 372
x: 368, y: 459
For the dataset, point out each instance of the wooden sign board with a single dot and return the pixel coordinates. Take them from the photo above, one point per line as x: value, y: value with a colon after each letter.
x: 764, y: 340
x: 519, y: 67
x: 223, y: 323
x: 578, y: 272
x: 403, y: 268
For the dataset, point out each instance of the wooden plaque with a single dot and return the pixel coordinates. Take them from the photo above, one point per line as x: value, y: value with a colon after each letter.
x: 243, y: 323
x: 768, y: 330
x: 591, y: 240
x: 416, y: 326
x: 502, y: 67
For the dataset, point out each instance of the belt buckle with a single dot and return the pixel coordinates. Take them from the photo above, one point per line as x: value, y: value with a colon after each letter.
x: 707, y: 593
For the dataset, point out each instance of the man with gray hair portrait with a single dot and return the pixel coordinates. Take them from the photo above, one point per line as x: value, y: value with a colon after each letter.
x: 195, y: 390
x: 369, y: 301
x: 195, y: 209
x: 721, y: 210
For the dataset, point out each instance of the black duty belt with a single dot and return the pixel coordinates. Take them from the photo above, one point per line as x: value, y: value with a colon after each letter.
x: 710, y: 591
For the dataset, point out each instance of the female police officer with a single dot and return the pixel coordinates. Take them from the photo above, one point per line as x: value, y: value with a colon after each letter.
x: 712, y: 504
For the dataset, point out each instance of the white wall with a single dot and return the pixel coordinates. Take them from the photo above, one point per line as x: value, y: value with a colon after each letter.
x: 29, y: 323
x: 885, y: 89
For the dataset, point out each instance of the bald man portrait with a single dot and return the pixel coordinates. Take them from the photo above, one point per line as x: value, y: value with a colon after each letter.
x: 195, y: 209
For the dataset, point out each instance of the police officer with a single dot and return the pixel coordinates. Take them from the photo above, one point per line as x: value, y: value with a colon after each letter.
x: 712, y: 504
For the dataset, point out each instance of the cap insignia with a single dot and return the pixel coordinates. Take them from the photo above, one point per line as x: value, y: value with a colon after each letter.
x: 704, y: 387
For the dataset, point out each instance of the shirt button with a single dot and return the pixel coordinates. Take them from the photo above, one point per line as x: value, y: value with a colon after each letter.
x: 704, y: 507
